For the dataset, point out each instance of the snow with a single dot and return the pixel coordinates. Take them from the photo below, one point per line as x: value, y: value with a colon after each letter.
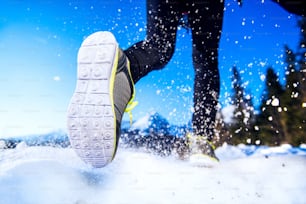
x: 245, y: 174
x: 228, y: 113
x: 142, y: 123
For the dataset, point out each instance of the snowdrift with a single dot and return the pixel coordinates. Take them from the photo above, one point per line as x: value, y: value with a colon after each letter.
x: 49, y: 175
x: 37, y: 169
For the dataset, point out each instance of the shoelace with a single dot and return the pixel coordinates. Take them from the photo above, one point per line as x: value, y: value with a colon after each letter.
x: 131, y: 105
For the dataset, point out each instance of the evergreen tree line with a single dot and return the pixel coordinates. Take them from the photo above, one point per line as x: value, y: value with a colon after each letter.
x: 282, y: 114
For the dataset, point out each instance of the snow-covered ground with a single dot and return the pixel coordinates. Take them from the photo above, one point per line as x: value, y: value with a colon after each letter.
x: 49, y: 175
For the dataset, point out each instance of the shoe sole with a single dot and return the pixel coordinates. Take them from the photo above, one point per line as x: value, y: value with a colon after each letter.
x: 91, y: 117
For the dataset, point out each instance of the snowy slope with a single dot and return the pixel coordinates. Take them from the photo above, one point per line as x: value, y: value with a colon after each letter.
x: 49, y: 175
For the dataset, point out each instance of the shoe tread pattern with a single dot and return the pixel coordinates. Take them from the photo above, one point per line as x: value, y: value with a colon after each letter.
x: 91, y: 126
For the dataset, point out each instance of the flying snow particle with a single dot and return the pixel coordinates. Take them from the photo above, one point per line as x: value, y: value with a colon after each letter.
x: 172, y: 113
x: 268, y: 102
x: 275, y: 102
x: 262, y: 64
x: 185, y: 89
x: 56, y: 78
x: 294, y: 94
x: 262, y: 77
x: 304, y: 105
x: 257, y: 142
x: 295, y: 85
x: 238, y: 130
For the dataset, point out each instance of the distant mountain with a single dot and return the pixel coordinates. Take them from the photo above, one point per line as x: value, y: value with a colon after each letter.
x: 157, y: 124
x: 56, y: 139
x: 153, y: 122
x: 154, y: 133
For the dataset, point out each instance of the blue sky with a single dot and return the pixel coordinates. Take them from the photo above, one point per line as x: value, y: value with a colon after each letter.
x: 39, y: 43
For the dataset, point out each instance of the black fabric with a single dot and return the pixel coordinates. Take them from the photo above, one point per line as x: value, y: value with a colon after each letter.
x: 205, y: 20
x: 293, y: 6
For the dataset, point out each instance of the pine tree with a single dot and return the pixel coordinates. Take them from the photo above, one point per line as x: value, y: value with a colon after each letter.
x: 269, y: 121
x: 301, y: 54
x: 283, y: 110
x: 241, y: 127
x: 302, y: 63
x: 294, y: 97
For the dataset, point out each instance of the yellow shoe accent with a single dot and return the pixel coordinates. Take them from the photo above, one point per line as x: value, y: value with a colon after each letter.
x: 132, y: 103
x: 111, y: 93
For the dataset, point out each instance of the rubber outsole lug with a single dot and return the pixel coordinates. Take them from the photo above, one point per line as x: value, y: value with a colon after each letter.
x: 90, y: 118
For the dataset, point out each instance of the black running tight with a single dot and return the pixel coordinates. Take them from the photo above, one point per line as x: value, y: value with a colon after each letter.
x: 205, y: 19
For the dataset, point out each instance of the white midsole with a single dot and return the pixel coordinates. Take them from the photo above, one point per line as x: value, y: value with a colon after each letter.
x: 91, y: 119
